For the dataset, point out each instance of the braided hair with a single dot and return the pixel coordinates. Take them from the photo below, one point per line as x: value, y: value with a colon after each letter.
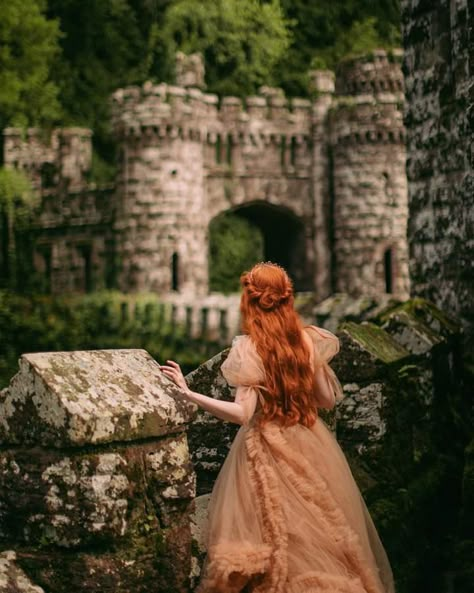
x: 274, y: 327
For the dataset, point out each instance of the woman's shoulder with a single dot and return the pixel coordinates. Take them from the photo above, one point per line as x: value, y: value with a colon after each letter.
x: 319, y: 332
x: 325, y: 342
x: 243, y: 363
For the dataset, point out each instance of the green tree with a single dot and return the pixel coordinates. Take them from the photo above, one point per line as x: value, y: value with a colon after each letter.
x: 105, y: 44
x: 325, y: 31
x: 17, y: 203
x: 241, y: 40
x: 235, y: 245
x: 28, y: 46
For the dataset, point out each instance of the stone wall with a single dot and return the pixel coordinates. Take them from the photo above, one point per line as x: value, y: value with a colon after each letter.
x: 97, y: 489
x: 439, y: 81
x: 61, y: 159
x: 96, y: 485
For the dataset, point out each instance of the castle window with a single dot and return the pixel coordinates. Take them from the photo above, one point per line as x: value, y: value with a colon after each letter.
x: 293, y: 151
x: 229, y: 149
x: 175, y: 272
x: 388, y: 270
x: 44, y: 266
x: 48, y: 173
x: 218, y: 149
x: 283, y: 151
x: 86, y: 253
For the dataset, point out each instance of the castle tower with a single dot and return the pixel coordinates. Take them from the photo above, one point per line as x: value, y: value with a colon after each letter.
x: 60, y: 161
x: 369, y: 179
x: 159, y: 226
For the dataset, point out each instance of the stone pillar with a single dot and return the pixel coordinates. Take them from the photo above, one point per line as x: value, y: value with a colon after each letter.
x: 96, y: 484
x: 369, y: 179
x: 323, y: 84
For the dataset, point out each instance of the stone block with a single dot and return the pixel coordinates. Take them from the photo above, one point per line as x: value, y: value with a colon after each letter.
x: 366, y: 350
x: 76, y: 398
x: 107, y: 510
x: 12, y: 578
x: 209, y: 438
x: 71, y: 499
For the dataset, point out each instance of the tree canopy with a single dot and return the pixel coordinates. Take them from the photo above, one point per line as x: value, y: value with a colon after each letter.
x: 242, y: 41
x: 29, y: 43
x: 61, y: 59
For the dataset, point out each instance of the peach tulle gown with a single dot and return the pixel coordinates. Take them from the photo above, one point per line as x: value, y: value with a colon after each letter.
x: 286, y: 515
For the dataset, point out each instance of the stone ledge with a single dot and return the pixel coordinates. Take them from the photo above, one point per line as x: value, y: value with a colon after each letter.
x: 71, y: 399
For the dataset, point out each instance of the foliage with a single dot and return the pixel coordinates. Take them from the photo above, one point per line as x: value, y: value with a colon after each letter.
x: 105, y: 45
x: 17, y: 202
x: 42, y: 323
x: 326, y: 31
x: 28, y: 46
x: 241, y: 40
x: 234, y: 246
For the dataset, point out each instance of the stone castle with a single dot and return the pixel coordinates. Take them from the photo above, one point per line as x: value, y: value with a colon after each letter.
x: 324, y: 180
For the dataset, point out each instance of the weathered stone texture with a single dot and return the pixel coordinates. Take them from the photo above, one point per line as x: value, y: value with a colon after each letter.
x: 439, y: 81
x: 367, y: 138
x: 95, y: 460
x: 209, y: 438
x: 76, y: 398
x: 12, y: 578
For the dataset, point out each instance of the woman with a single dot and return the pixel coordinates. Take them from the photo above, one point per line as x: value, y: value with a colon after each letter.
x: 285, y: 514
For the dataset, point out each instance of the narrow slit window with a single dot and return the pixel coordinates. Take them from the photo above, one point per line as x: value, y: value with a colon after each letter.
x: 86, y: 251
x: 283, y: 151
x: 229, y: 149
x: 218, y: 148
x: 388, y: 269
x: 293, y: 151
x: 175, y: 272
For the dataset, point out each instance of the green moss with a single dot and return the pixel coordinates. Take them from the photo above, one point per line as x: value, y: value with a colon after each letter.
x: 375, y: 340
x: 423, y: 311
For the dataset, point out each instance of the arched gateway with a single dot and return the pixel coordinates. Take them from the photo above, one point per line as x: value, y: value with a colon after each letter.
x: 283, y: 236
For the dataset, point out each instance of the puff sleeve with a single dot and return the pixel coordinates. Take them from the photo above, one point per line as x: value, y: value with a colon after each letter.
x: 326, y: 346
x: 243, y: 369
x: 243, y: 365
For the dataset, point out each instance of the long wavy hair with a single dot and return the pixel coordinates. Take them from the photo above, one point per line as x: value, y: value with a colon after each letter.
x: 269, y: 318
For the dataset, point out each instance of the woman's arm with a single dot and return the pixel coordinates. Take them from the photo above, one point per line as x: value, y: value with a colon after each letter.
x: 325, y: 397
x: 238, y: 411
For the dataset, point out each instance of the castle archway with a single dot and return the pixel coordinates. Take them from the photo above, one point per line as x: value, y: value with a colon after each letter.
x: 279, y: 236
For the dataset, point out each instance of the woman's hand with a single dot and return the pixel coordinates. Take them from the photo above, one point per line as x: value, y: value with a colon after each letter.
x: 173, y: 371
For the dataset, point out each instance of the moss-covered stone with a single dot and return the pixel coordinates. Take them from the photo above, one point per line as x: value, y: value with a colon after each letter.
x: 76, y: 398
x: 375, y: 341
x: 366, y: 350
x: 209, y: 438
x: 426, y: 313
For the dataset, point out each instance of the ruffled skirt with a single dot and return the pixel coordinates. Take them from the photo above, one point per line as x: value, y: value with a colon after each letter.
x: 286, y: 516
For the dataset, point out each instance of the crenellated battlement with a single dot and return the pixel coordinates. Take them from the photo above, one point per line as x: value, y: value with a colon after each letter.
x: 368, y: 105
x: 377, y: 73
x: 64, y: 157
x: 166, y: 110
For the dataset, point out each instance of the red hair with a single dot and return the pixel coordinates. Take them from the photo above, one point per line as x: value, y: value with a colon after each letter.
x: 269, y: 318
